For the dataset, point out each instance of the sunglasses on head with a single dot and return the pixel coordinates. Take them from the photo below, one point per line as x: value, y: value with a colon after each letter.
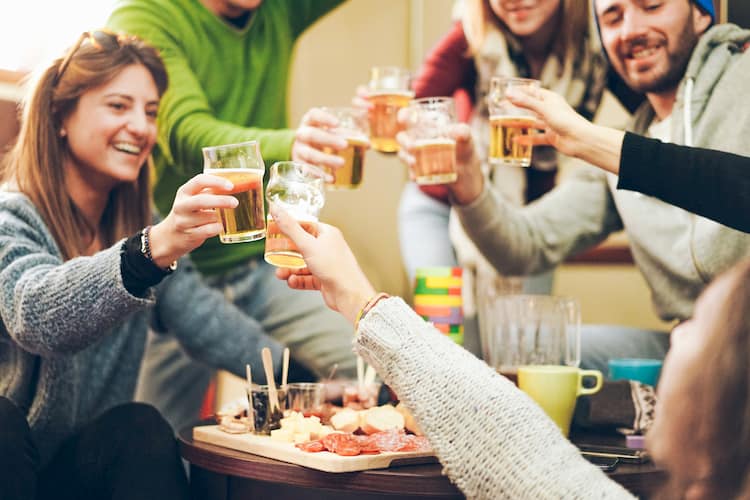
x: 101, y: 39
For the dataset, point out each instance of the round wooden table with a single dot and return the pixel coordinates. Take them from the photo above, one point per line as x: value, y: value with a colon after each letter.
x: 219, y: 473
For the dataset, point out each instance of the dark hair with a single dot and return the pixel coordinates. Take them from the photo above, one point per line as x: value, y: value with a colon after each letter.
x: 717, y: 415
x: 34, y: 163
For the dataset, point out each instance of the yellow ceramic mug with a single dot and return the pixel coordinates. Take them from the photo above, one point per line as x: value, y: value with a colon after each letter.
x: 556, y: 388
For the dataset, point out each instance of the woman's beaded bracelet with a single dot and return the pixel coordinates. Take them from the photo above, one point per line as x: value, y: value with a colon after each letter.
x: 369, y: 305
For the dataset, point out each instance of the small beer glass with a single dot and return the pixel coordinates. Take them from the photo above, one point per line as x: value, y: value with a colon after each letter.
x: 429, y: 123
x: 508, y: 122
x: 389, y: 90
x: 355, y: 128
x: 243, y: 166
x: 298, y: 189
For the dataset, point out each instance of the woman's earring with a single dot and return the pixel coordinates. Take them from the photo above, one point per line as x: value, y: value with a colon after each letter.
x: 62, y: 132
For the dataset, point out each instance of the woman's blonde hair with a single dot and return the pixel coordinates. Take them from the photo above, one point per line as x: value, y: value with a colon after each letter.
x: 35, y: 163
x: 574, y: 24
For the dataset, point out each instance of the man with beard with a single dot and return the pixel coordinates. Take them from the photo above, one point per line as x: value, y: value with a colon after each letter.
x: 693, y: 78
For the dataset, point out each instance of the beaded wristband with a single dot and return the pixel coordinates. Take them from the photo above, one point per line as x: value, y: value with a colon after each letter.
x: 369, y: 305
x: 146, y: 249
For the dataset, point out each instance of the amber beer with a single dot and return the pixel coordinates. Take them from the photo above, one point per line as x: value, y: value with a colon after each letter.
x: 383, y: 123
x: 349, y: 176
x: 280, y: 250
x: 245, y: 222
x: 503, y: 148
x: 435, y: 161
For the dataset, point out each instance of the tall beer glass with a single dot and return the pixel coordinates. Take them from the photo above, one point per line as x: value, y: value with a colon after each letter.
x: 354, y: 127
x: 508, y: 122
x: 242, y: 165
x: 429, y: 123
x: 298, y: 189
x: 389, y: 90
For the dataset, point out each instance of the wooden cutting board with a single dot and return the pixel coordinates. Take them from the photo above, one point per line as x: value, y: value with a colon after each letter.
x: 324, y: 460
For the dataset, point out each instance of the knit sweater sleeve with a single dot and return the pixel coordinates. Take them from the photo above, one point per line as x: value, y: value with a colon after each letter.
x: 576, y: 215
x: 50, y: 307
x: 493, y: 440
x: 710, y: 183
x: 208, y: 326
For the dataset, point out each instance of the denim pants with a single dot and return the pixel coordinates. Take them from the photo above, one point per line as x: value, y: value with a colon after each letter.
x: 317, y: 338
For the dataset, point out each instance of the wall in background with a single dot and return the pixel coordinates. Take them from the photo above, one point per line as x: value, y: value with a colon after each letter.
x: 331, y: 60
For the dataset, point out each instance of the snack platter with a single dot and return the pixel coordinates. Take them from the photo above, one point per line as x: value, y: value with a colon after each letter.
x: 324, y: 460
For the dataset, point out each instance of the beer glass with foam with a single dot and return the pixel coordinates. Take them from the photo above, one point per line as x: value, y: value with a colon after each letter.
x: 507, y: 122
x: 354, y: 127
x: 242, y: 165
x: 298, y: 189
x: 429, y: 122
x: 389, y: 90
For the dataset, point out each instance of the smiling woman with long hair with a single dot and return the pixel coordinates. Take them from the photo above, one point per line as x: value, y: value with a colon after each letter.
x: 82, y: 274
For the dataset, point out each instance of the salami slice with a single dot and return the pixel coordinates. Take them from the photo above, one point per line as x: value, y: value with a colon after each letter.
x: 414, y: 443
x: 389, y: 440
x: 311, y: 446
x: 368, y: 445
x: 342, y: 444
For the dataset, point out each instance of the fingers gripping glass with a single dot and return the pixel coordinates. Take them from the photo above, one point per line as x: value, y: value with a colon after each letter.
x: 101, y: 39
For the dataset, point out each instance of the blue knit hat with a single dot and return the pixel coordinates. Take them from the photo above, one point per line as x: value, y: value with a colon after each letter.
x: 707, y: 6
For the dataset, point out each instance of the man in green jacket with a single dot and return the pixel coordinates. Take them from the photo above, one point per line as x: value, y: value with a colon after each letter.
x: 229, y: 63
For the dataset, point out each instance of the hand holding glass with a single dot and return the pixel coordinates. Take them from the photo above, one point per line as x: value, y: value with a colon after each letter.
x: 508, y: 122
x: 429, y: 123
x: 243, y: 166
x: 354, y: 127
x: 389, y: 90
x: 298, y: 189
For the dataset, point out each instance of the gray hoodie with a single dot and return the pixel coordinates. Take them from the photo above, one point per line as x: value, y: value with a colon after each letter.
x: 677, y: 251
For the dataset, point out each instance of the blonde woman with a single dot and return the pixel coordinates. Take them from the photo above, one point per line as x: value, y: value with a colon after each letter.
x: 547, y: 40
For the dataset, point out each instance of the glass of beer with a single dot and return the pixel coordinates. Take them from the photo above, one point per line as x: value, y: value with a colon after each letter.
x: 508, y: 122
x: 389, y: 90
x: 298, y: 189
x: 354, y: 127
x: 429, y: 123
x: 243, y: 166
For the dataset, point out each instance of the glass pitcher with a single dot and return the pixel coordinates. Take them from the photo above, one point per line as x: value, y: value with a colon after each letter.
x: 520, y: 330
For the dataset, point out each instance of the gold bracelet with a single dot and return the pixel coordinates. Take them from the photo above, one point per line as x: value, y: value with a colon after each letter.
x: 369, y: 305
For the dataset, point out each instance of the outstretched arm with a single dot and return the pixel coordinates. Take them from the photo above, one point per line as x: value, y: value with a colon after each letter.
x: 493, y: 441
x: 710, y: 183
x: 569, y: 132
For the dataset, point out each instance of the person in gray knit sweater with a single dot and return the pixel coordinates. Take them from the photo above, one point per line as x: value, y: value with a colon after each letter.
x: 83, y: 275
x: 495, y: 442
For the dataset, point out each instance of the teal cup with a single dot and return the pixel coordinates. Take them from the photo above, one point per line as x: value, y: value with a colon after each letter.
x: 645, y: 371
